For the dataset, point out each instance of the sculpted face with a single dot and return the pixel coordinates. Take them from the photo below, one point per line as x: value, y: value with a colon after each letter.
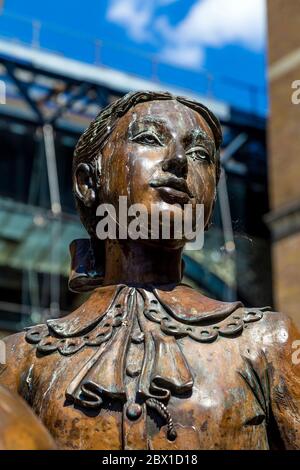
x: 160, y: 153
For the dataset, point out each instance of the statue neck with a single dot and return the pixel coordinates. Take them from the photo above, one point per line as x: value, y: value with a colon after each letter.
x: 130, y: 262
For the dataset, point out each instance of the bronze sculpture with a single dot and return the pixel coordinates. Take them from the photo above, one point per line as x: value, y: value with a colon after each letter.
x: 147, y: 362
x: 20, y: 429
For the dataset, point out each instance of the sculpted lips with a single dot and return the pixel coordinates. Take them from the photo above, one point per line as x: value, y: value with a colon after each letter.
x: 172, y: 189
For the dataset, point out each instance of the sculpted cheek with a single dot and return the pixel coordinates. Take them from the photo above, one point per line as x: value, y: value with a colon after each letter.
x: 203, y: 183
x: 114, y: 169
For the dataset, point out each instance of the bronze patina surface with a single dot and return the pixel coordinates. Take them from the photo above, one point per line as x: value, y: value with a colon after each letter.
x: 147, y: 362
x: 20, y: 429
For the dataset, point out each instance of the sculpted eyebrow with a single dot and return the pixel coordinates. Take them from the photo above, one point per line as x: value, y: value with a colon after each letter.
x: 153, y: 120
x: 156, y: 123
x: 200, y: 133
x: 199, y: 136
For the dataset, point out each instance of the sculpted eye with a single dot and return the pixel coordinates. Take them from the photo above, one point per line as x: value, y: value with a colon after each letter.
x: 147, y: 138
x: 199, y: 153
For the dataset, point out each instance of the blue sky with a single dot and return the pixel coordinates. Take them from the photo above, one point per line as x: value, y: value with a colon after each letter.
x: 209, y: 46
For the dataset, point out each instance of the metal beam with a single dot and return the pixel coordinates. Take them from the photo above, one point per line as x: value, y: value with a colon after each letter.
x: 52, y: 169
x: 233, y: 147
x: 79, y: 93
x: 23, y: 89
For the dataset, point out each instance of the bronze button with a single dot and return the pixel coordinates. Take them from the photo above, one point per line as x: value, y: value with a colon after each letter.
x: 134, y: 411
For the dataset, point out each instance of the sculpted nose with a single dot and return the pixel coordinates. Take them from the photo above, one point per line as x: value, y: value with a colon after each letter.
x: 176, y: 162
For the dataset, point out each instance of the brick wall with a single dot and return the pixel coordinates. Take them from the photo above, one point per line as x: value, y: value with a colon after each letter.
x: 284, y: 149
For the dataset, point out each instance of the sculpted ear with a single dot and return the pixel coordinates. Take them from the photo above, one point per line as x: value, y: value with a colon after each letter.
x: 84, y: 184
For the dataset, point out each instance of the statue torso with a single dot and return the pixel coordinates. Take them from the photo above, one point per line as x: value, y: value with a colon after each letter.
x: 151, y: 369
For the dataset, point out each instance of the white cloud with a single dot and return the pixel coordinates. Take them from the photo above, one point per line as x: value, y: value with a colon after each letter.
x: 208, y: 23
x: 213, y: 23
x: 190, y: 57
x: 136, y: 16
x: 133, y: 15
x: 221, y: 22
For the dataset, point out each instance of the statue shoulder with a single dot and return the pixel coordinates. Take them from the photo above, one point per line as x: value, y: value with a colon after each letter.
x: 275, y: 331
x: 279, y: 319
x: 280, y: 325
x: 15, y: 354
x: 286, y: 336
x: 15, y: 345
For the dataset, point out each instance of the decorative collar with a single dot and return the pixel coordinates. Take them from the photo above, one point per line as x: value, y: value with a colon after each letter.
x: 200, y: 308
x: 116, y: 316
